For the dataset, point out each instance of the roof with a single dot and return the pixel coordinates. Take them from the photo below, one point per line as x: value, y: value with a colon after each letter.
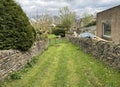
x: 118, y: 6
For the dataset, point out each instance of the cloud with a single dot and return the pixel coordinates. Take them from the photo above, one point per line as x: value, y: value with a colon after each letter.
x: 79, y: 6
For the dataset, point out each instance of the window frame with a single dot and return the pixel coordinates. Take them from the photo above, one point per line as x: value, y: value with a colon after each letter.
x: 103, y: 29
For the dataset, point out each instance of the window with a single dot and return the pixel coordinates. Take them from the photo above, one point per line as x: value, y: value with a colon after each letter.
x: 107, y: 29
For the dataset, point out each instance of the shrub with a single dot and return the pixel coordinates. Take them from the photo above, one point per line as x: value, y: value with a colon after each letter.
x: 60, y: 32
x: 15, y: 29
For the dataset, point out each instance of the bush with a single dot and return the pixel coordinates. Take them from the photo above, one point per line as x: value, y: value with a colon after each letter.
x: 15, y: 29
x: 60, y: 32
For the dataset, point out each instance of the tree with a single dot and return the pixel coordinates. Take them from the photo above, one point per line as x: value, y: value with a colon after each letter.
x: 42, y: 25
x: 16, y: 31
x: 87, y: 18
x: 67, y: 17
x: 56, y: 20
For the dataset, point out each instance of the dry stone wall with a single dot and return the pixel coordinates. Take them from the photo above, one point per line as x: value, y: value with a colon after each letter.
x: 101, y: 49
x: 13, y: 60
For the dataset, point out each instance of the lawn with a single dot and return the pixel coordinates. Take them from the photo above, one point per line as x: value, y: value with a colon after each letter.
x: 65, y: 65
x: 51, y: 36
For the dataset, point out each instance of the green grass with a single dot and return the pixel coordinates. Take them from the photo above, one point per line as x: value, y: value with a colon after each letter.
x: 51, y: 36
x: 65, y: 65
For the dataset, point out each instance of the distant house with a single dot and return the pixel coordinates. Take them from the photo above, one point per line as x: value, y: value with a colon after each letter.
x: 108, y: 24
x: 91, y: 29
x: 86, y: 24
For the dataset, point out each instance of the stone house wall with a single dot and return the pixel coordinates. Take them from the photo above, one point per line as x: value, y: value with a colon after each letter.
x: 13, y: 60
x: 111, y: 15
x: 101, y: 49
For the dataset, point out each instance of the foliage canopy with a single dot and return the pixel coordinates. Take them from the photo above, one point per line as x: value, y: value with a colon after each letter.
x: 67, y: 17
x: 15, y: 29
x: 88, y: 20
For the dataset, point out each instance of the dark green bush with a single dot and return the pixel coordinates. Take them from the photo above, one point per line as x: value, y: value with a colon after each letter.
x: 60, y: 32
x: 16, y: 31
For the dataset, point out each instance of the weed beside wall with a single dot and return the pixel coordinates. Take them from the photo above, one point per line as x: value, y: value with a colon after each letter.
x: 103, y: 50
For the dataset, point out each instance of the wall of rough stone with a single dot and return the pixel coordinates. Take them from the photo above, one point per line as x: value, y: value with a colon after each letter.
x: 101, y: 49
x: 13, y: 60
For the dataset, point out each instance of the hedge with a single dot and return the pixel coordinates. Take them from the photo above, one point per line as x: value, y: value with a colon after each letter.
x: 16, y: 31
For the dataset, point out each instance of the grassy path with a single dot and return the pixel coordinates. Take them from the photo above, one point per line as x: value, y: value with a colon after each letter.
x: 65, y: 65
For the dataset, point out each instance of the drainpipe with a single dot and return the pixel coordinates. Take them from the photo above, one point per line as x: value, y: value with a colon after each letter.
x: 119, y: 37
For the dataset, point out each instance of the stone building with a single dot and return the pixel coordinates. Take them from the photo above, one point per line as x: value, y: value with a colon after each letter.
x: 108, y: 24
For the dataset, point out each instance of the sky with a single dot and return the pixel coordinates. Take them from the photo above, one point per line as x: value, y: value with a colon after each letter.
x: 33, y: 7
